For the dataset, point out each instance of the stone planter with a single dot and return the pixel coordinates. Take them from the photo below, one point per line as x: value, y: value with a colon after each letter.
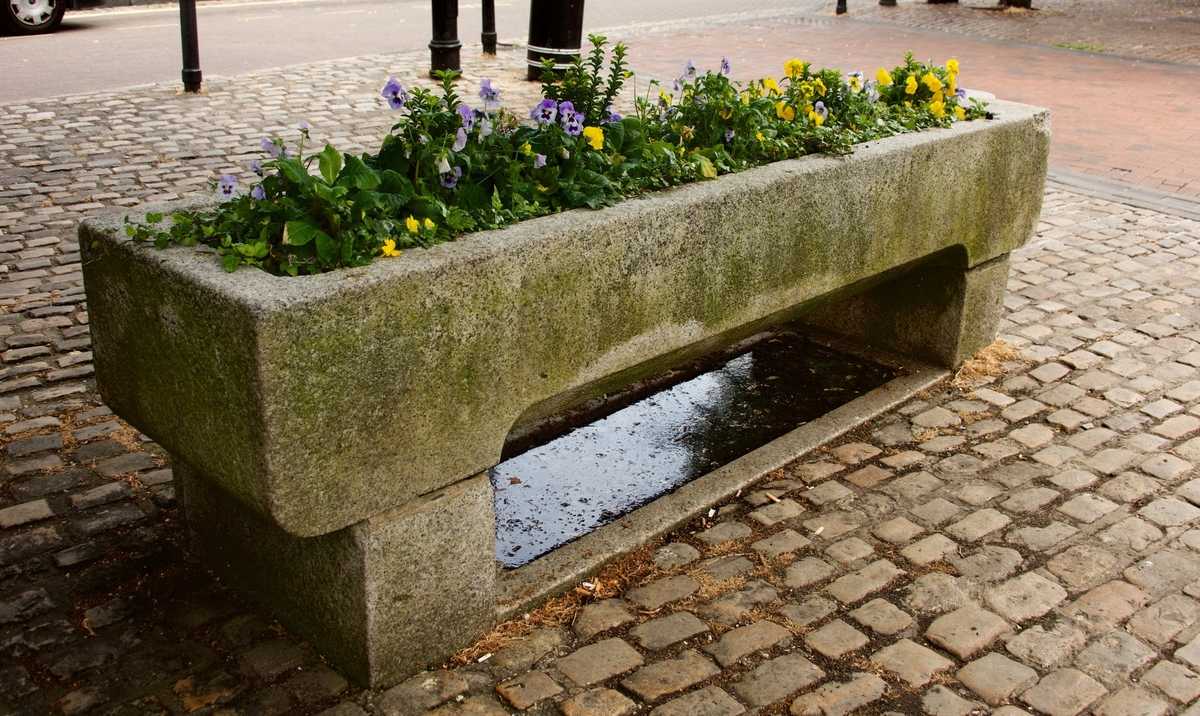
x: 332, y: 433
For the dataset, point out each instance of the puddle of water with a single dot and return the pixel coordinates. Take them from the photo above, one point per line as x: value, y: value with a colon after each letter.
x: 552, y: 493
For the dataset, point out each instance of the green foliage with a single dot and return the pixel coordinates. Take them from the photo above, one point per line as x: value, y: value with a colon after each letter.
x: 446, y: 169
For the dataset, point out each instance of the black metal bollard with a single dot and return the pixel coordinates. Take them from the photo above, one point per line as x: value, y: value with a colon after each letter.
x: 555, y: 32
x: 191, y: 45
x: 443, y: 48
x: 841, y: 7
x: 488, y: 36
x: 888, y: 3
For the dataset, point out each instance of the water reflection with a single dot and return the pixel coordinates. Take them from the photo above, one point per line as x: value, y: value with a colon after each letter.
x: 551, y: 494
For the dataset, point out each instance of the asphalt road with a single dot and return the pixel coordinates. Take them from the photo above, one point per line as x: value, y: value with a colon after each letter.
x: 119, y: 47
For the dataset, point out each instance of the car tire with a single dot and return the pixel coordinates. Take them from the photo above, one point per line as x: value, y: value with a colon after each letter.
x: 31, y: 17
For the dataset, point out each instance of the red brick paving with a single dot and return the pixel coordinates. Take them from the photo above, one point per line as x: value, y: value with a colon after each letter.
x: 1127, y: 119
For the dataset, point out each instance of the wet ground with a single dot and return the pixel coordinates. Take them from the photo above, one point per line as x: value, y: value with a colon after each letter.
x: 703, y: 416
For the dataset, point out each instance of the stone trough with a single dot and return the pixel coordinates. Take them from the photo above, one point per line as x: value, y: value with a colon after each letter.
x: 332, y: 433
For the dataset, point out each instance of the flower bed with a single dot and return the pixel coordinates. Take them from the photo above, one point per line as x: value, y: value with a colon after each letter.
x: 447, y: 168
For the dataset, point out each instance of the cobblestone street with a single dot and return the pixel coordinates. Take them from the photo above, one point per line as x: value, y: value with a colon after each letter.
x: 1024, y: 543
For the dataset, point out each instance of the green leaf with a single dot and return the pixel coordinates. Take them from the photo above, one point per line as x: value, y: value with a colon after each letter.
x: 326, y: 193
x: 299, y: 233
x: 358, y: 174
x: 294, y: 171
x: 154, y: 218
x: 707, y: 170
x: 327, y: 248
x: 472, y: 197
x: 329, y: 161
x: 230, y: 262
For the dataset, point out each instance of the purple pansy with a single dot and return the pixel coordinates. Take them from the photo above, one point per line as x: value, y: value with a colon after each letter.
x: 820, y: 109
x: 460, y: 140
x: 572, y: 123
x: 256, y: 168
x: 729, y: 135
x: 724, y: 66
x: 490, y: 94
x: 610, y: 115
x: 468, y: 118
x: 394, y: 93
x: 450, y: 178
x: 872, y: 91
x: 539, y: 161
x: 960, y: 93
x: 304, y: 126
x: 689, y: 70
x: 258, y: 193
x: 485, y: 123
x: 270, y: 147
x: 545, y: 112
x: 226, y: 183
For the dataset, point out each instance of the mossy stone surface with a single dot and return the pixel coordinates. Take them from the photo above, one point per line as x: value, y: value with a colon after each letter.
x: 321, y: 401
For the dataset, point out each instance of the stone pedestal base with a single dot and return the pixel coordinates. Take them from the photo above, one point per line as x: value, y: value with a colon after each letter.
x: 381, y: 598
x: 940, y: 313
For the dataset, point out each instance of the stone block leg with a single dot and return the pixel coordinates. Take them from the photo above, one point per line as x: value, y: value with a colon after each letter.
x: 940, y: 313
x: 382, y: 598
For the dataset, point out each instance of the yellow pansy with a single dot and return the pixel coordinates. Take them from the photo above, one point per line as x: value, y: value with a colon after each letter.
x: 932, y: 82
x: 527, y: 149
x: 882, y: 77
x: 389, y: 248
x: 820, y: 86
x: 769, y: 83
x: 938, y: 97
x: 745, y: 98
x: 412, y: 225
x: 429, y: 224
x: 759, y: 136
x: 854, y: 81
x: 816, y: 118
x: 938, y: 109
x: 664, y: 97
x: 960, y: 112
x: 793, y: 68
x: 784, y: 111
x: 595, y: 137
x: 952, y: 66
x: 910, y: 86
x: 951, y: 85
x: 542, y: 188
x: 725, y: 113
x: 806, y: 89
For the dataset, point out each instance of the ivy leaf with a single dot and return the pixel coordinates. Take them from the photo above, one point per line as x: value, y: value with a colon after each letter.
x: 230, y: 262
x: 357, y: 174
x: 299, y: 233
x: 329, y: 161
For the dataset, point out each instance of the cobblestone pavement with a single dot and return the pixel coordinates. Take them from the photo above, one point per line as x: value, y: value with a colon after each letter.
x: 1162, y: 30
x: 1019, y: 545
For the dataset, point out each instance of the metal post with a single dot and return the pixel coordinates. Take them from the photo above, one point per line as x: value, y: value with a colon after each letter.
x: 488, y: 36
x: 443, y: 48
x: 841, y: 7
x: 191, y: 45
x: 555, y: 32
x: 888, y: 3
